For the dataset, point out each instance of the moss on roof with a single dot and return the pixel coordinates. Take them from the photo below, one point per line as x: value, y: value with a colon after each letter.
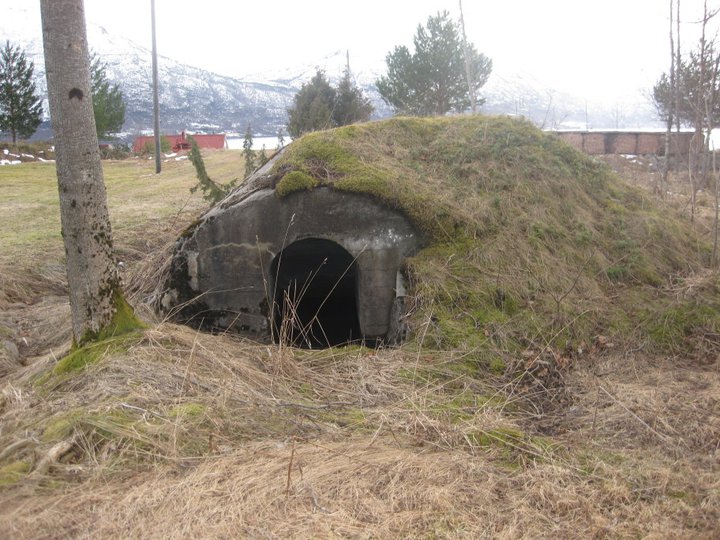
x: 529, y: 240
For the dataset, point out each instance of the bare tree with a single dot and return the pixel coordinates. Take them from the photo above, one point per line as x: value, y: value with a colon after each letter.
x: 714, y: 258
x: 95, y: 295
x: 662, y: 188
x: 702, y: 105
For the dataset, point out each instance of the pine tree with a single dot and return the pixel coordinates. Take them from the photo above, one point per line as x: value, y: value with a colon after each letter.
x: 20, y: 107
x: 248, y: 152
x: 320, y: 106
x: 280, y: 139
x: 312, y: 106
x: 262, y: 157
x: 351, y: 105
x: 698, y: 77
x: 433, y: 79
x: 108, y: 100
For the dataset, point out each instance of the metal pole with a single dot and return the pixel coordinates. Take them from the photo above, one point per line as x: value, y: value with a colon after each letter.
x: 468, y: 70
x: 156, y: 107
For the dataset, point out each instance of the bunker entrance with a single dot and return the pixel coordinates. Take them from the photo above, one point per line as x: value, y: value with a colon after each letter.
x: 315, y: 297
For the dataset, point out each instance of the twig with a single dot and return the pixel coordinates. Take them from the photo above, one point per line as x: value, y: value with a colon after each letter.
x: 14, y: 447
x: 597, y: 399
x: 574, y: 284
x: 54, y: 454
x: 146, y: 411
x: 289, y: 471
x: 193, y: 381
x: 190, y: 363
x: 316, y: 505
x: 643, y: 422
x: 316, y: 407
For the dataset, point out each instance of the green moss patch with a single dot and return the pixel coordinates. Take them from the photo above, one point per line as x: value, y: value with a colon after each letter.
x: 295, y: 181
x: 516, y: 447
x: 191, y: 410
x: 13, y: 472
x: 81, y: 357
x: 60, y: 426
x: 124, y: 330
x: 124, y: 320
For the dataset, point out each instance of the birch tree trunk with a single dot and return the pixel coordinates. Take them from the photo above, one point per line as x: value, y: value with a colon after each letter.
x: 91, y: 267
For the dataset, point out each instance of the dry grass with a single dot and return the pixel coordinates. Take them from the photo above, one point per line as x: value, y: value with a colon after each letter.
x: 189, y: 435
x: 173, y: 433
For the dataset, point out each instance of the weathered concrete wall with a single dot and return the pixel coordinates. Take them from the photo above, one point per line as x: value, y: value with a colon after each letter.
x: 222, y: 267
x: 594, y: 143
x: 622, y: 142
x: 649, y: 143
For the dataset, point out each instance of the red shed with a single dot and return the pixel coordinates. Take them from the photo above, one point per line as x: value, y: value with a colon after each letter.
x: 181, y: 142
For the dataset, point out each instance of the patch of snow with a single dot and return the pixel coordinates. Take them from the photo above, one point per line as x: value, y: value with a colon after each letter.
x: 10, y: 162
x: 180, y: 158
x: 28, y: 156
x: 270, y: 143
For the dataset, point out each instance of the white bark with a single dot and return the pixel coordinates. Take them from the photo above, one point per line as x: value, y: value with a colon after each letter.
x: 91, y: 269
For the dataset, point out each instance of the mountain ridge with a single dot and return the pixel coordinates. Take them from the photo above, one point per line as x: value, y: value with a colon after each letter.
x: 195, y: 99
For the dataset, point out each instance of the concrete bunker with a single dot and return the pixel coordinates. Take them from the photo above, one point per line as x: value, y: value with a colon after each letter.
x: 315, y: 268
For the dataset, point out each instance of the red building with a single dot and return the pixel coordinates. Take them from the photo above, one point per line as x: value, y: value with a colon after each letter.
x: 181, y: 142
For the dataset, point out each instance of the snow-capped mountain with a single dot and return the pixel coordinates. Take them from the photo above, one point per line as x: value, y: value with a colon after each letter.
x: 198, y: 100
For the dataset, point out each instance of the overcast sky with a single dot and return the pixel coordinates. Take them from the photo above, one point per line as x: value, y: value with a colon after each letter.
x: 594, y: 47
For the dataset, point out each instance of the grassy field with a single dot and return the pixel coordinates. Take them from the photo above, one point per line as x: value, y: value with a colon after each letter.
x: 532, y: 426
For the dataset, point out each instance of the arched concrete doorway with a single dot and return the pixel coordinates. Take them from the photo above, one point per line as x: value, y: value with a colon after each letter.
x: 315, y: 294
x: 226, y: 273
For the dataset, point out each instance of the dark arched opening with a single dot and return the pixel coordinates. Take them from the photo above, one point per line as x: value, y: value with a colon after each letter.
x: 315, y: 295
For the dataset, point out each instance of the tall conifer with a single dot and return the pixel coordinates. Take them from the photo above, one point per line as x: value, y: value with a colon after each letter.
x: 20, y: 107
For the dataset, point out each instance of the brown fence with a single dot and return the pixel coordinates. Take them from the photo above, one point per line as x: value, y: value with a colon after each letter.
x: 626, y: 142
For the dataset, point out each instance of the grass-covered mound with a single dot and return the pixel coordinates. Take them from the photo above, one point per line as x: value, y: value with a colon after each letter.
x: 174, y: 433
x: 530, y: 242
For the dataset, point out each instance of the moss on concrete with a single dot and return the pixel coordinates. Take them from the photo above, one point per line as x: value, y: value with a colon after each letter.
x: 295, y: 181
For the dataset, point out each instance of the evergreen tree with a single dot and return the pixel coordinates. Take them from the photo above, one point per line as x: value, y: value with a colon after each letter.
x: 698, y: 78
x: 262, y: 157
x: 280, y: 139
x: 312, y: 106
x: 20, y: 107
x: 320, y: 106
x: 433, y: 79
x: 212, y: 191
x: 248, y: 152
x: 108, y: 101
x: 351, y: 105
